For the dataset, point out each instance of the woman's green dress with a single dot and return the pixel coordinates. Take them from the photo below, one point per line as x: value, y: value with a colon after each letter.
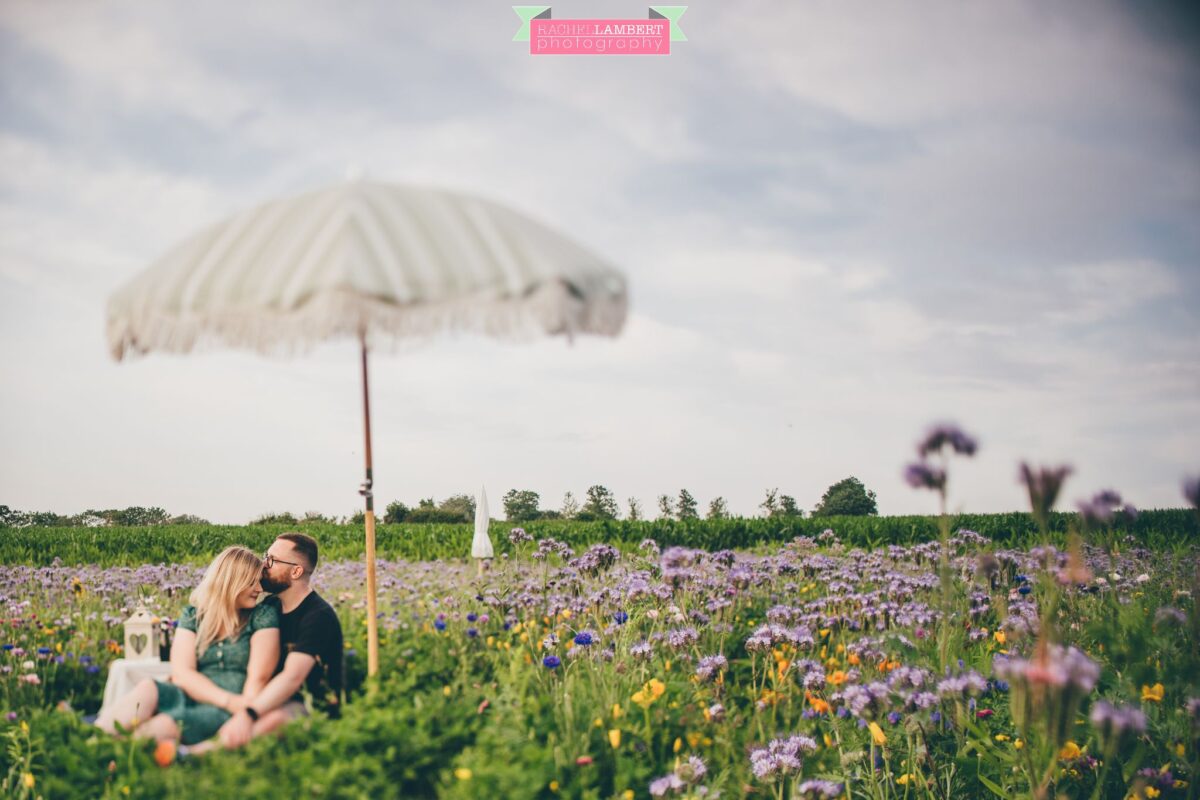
x: 224, y: 663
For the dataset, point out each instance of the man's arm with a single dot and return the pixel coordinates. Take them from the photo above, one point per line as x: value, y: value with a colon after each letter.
x: 237, y: 729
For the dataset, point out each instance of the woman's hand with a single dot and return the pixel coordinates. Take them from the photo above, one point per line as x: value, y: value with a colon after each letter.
x: 235, y: 703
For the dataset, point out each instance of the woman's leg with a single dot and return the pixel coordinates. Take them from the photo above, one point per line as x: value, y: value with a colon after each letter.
x: 160, y: 727
x: 138, y: 705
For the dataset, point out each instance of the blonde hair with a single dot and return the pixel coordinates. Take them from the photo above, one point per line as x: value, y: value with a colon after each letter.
x: 217, y: 615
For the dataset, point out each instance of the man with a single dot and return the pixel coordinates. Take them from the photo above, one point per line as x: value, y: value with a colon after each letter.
x: 311, y: 651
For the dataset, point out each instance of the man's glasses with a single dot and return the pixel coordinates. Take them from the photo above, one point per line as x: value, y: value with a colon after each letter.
x: 270, y: 561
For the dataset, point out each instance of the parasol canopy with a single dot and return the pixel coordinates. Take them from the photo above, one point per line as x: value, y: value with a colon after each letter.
x: 362, y: 258
x: 375, y: 261
x: 481, y: 545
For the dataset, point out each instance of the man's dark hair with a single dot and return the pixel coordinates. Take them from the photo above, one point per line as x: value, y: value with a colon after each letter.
x: 305, y: 545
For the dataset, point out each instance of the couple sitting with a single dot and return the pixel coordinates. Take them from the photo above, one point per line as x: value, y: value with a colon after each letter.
x: 237, y: 665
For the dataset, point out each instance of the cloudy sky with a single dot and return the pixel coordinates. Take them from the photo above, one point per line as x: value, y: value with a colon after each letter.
x: 840, y: 223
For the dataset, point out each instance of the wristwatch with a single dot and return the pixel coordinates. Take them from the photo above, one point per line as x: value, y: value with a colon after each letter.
x: 253, y: 714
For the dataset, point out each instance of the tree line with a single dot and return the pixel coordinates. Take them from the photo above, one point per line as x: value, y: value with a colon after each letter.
x: 848, y: 497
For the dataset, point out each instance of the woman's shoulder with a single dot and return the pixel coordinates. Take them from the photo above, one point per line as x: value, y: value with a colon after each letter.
x: 265, y: 614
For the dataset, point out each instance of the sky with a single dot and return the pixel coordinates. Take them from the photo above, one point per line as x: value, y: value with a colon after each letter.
x: 840, y: 222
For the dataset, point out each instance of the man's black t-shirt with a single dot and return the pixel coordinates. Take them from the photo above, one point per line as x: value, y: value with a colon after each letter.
x: 313, y: 628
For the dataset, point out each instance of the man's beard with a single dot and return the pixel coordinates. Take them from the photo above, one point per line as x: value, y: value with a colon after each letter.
x: 272, y: 586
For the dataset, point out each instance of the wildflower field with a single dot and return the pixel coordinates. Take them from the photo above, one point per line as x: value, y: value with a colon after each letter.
x: 957, y: 667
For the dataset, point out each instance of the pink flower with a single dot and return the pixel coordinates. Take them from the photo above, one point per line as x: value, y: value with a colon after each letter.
x: 32, y: 679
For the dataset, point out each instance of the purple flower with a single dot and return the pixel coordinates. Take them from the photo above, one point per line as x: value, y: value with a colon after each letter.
x: 781, y: 757
x: 921, y: 475
x: 816, y: 789
x: 1043, y: 484
x: 1113, y: 722
x: 551, y: 662
x: 519, y: 536
x: 947, y: 435
x: 1191, y: 491
x: 710, y: 666
x: 11, y: 716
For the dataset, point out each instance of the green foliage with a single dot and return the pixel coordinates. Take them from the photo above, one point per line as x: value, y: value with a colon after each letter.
x: 396, y: 512
x: 717, y: 509
x: 666, y: 507
x: 521, y: 505
x: 599, y: 504
x: 685, y: 508
x: 570, y: 506
x: 846, y: 498
x: 422, y: 541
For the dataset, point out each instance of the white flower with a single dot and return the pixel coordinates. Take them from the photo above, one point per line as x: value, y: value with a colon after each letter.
x: 1143, y: 578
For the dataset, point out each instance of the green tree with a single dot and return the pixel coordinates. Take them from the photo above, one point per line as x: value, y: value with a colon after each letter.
x: 570, y: 506
x: 458, y: 507
x: 788, y: 508
x: 635, y: 509
x: 717, y: 509
x: 521, y: 505
x: 666, y: 507
x: 847, y: 497
x: 599, y: 504
x: 771, y: 503
x: 686, y: 508
x: 396, y: 512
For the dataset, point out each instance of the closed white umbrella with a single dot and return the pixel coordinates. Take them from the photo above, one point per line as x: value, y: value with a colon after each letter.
x: 374, y: 261
x: 481, y: 545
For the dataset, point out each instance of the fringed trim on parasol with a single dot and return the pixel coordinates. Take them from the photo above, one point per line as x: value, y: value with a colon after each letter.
x: 554, y: 308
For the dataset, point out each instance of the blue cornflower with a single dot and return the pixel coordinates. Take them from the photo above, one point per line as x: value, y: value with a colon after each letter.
x: 92, y: 669
x: 472, y: 632
x: 583, y: 638
x: 551, y: 662
x: 472, y: 617
x: 440, y: 624
x: 1025, y: 589
x: 43, y: 651
x: 621, y: 617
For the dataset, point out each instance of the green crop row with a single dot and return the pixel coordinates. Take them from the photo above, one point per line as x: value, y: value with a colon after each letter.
x: 197, y: 543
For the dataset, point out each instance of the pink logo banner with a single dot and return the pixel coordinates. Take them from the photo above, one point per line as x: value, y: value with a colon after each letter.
x: 599, y: 37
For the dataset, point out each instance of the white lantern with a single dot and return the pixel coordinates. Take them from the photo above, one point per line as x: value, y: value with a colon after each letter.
x: 141, y: 637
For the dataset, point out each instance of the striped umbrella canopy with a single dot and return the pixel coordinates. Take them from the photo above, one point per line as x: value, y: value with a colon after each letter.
x: 382, y: 263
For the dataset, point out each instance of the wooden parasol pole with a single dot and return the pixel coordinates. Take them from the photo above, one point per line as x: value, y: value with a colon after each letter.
x: 368, y: 495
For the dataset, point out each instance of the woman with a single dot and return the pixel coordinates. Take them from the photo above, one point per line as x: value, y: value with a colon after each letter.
x: 225, y: 650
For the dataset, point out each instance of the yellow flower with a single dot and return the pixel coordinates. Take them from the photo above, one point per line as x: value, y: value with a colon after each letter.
x: 1151, y: 792
x: 24, y: 726
x: 565, y: 613
x: 1019, y: 743
x: 653, y: 690
x: 904, y: 779
x: 1069, y: 751
x: 554, y: 786
x: 627, y: 794
x: 1000, y: 637
x: 599, y: 723
x: 28, y: 780
x: 1180, y: 750
x: 877, y: 734
x: 463, y: 774
x: 614, y: 738
x: 678, y: 744
x: 617, y: 711
x: 1152, y: 694
x: 1000, y: 737
x: 837, y: 678
x: 446, y: 691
